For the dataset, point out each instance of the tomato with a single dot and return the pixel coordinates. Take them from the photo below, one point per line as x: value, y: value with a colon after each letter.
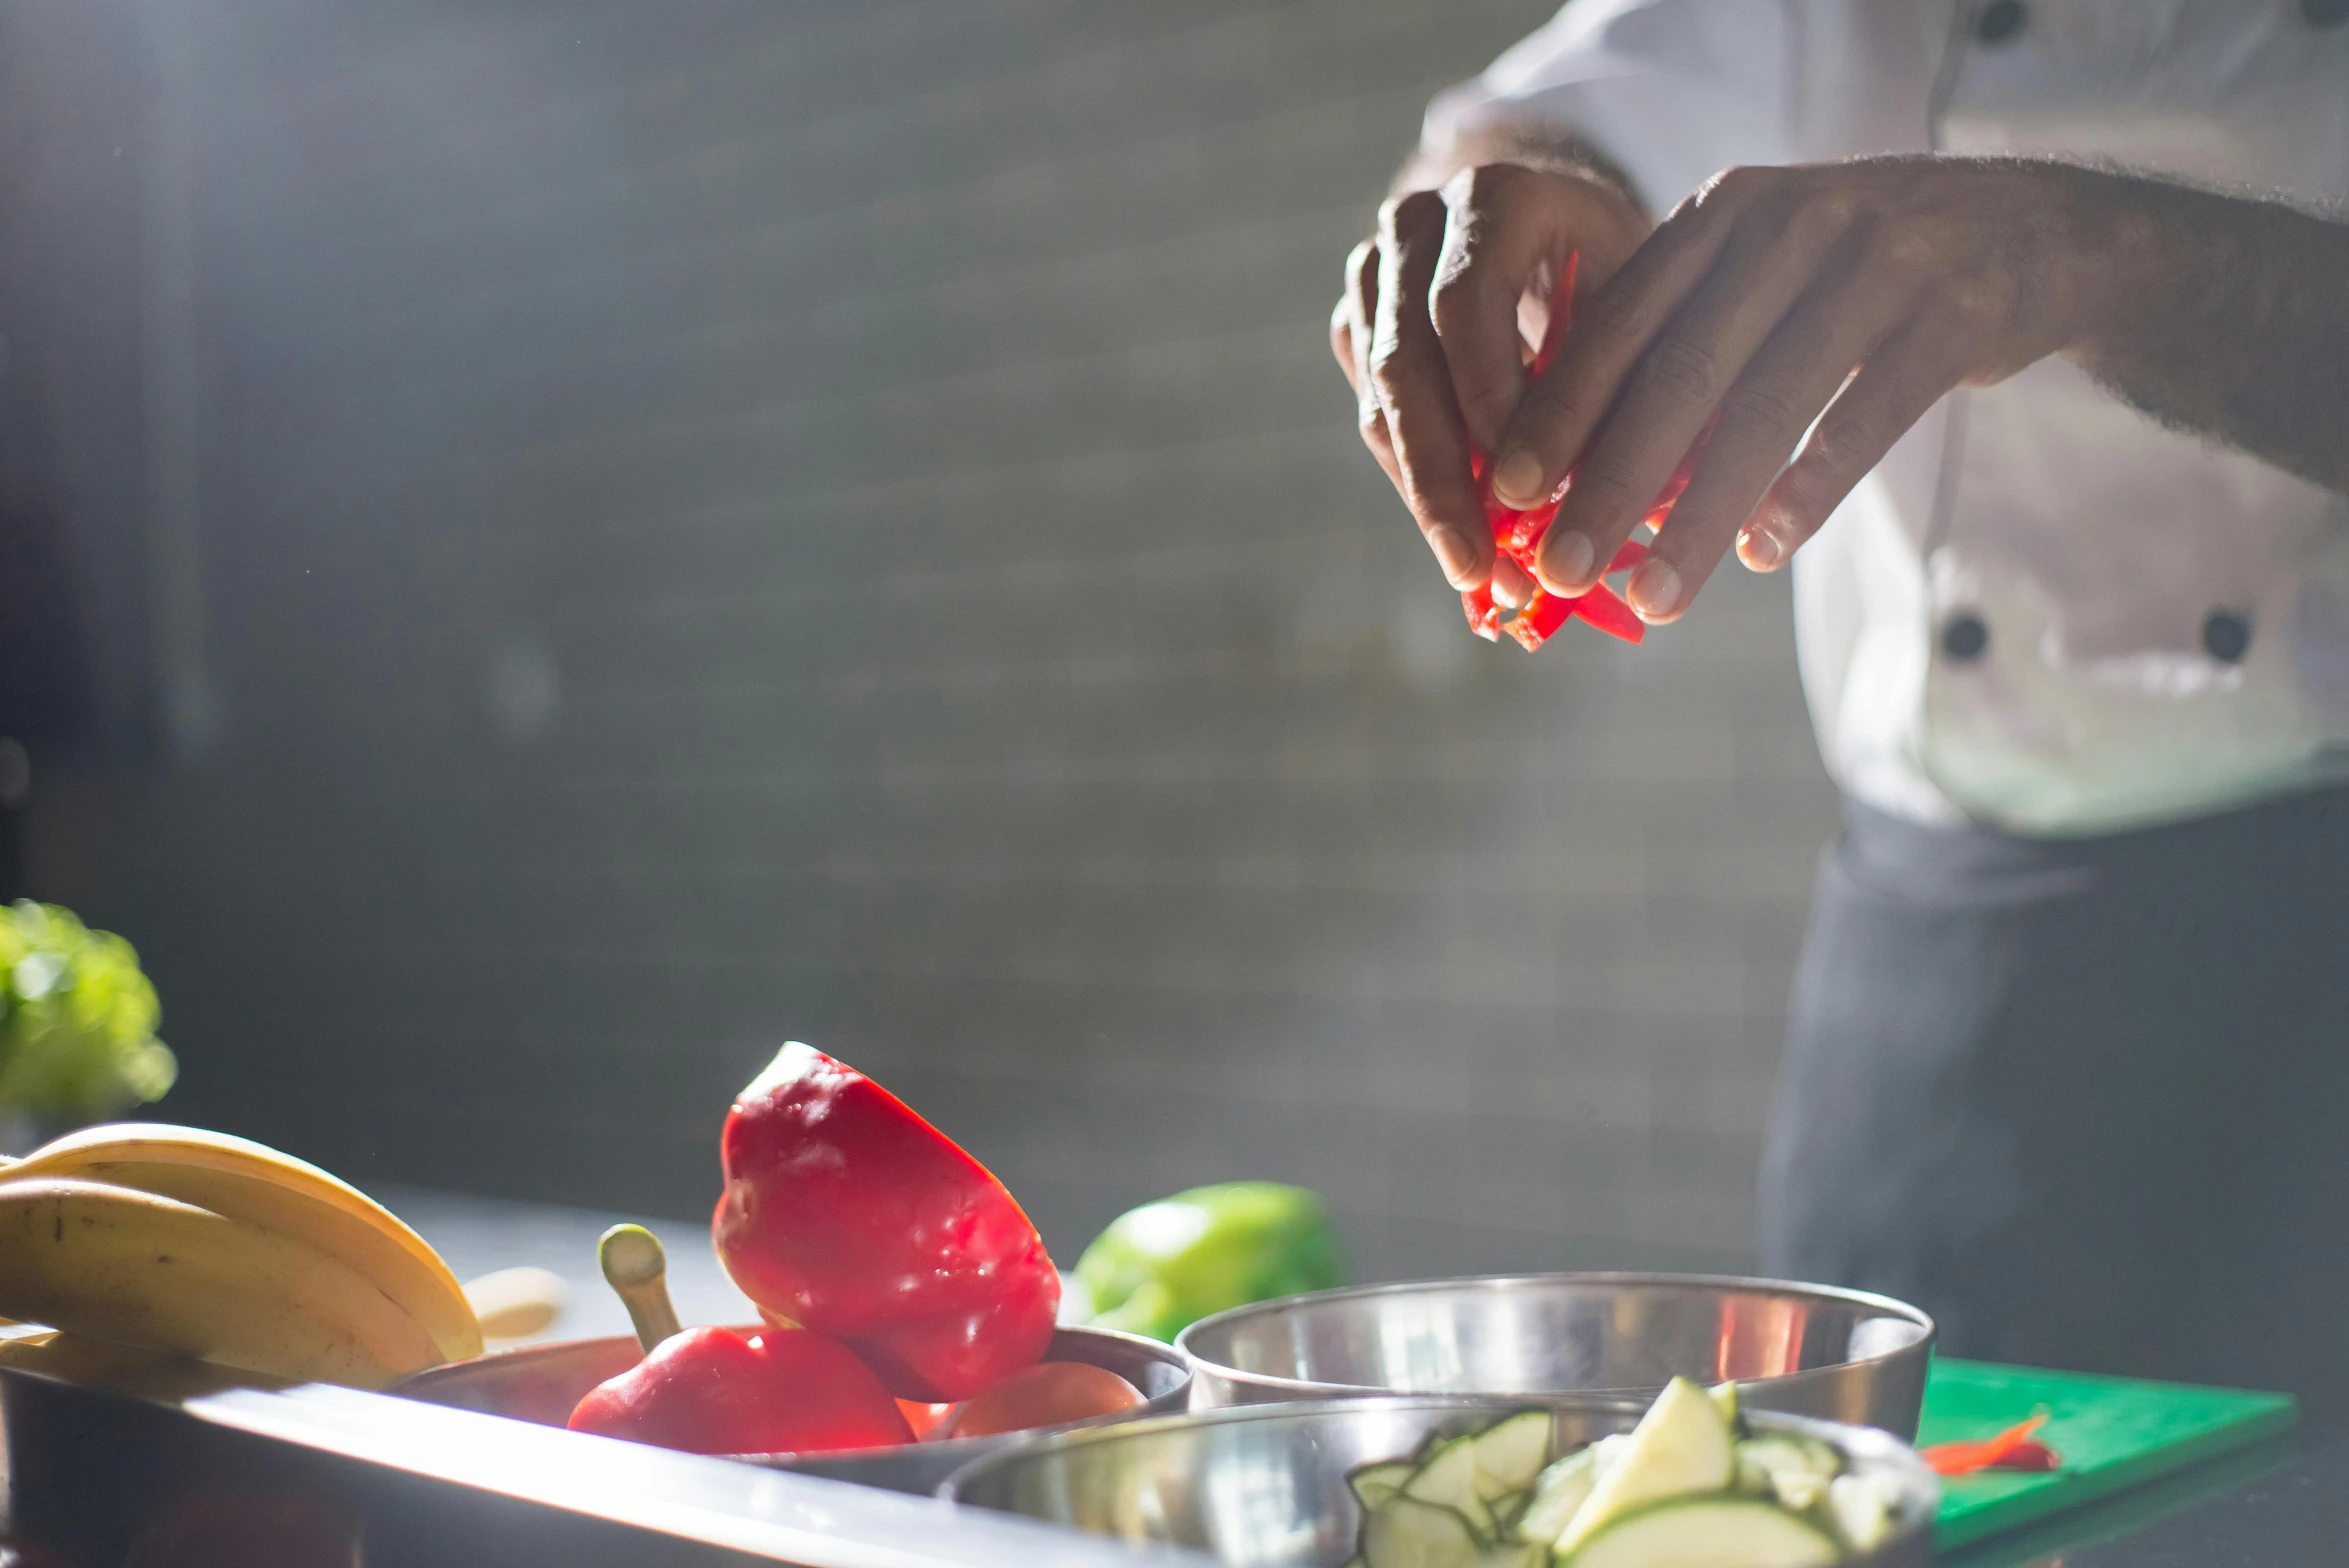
x: 1046, y: 1395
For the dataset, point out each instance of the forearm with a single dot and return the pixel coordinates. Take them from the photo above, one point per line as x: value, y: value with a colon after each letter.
x: 2230, y: 318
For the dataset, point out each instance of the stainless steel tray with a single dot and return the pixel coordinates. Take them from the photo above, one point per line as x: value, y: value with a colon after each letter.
x: 89, y: 1468
x: 543, y: 1382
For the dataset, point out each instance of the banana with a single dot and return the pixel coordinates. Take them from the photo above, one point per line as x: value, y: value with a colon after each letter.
x: 257, y: 1184
x: 137, y: 1268
x: 97, y: 1363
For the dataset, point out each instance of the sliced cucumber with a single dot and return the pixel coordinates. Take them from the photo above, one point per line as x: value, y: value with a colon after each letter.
x: 1680, y: 1446
x: 1706, y: 1532
x: 1513, y: 1554
x: 1404, y: 1532
x: 1795, y: 1470
x: 1448, y: 1479
x: 1861, y: 1511
x: 1374, y: 1484
x: 1725, y: 1401
x: 1510, y: 1454
x: 1558, y: 1495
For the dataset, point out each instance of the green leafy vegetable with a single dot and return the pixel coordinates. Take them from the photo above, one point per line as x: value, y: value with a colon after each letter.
x: 77, y: 1019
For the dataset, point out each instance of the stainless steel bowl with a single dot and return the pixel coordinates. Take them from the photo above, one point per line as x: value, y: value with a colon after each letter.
x: 1264, y: 1486
x: 541, y: 1384
x: 1839, y: 1355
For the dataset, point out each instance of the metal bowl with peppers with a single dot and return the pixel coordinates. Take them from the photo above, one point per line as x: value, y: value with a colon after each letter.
x: 905, y: 1296
x: 545, y: 1383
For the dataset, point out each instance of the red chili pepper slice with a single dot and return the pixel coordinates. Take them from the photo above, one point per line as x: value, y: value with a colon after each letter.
x: 1517, y: 534
x: 2006, y: 1450
x: 2031, y: 1454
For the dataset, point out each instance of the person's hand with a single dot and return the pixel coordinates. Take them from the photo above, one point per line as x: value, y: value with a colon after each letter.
x: 1756, y: 301
x: 1435, y: 327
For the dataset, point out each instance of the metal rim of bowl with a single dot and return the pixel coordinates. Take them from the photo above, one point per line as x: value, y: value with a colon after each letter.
x: 1307, y: 1389
x: 1921, y: 1489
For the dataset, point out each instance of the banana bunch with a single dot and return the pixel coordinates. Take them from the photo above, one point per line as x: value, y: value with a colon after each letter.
x: 196, y: 1243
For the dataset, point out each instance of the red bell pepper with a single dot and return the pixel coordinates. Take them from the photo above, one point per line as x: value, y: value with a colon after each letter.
x: 1518, y: 533
x: 714, y: 1391
x: 2013, y: 1449
x: 848, y: 1214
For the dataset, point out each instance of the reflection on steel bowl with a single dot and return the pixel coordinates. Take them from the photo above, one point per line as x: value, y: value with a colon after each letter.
x: 1839, y: 1355
x: 1265, y: 1485
x: 541, y: 1383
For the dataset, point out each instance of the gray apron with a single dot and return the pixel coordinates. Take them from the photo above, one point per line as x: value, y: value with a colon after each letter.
x: 2085, y: 1101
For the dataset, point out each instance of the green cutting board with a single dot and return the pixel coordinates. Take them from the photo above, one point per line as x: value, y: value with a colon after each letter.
x: 2112, y: 1433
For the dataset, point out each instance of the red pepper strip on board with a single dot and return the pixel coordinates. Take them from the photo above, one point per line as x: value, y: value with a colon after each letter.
x: 2032, y: 1454
x: 1989, y: 1453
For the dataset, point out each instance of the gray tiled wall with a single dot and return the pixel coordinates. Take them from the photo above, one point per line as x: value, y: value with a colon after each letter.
x: 726, y: 521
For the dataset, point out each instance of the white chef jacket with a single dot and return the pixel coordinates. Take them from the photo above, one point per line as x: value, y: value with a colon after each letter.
x: 2043, y: 611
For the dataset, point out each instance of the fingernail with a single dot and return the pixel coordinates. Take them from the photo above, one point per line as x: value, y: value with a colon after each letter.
x: 1654, y: 590
x: 1517, y: 479
x: 1760, y: 549
x: 1571, y: 560
x: 1451, y: 553
x: 1505, y: 592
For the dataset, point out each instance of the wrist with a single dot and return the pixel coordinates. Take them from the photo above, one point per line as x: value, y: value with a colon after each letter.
x: 2135, y: 247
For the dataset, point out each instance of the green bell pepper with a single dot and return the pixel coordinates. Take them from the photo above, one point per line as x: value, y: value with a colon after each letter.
x: 1161, y: 1267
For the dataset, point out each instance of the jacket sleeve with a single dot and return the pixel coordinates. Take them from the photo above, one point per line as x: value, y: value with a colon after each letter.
x: 1669, y: 91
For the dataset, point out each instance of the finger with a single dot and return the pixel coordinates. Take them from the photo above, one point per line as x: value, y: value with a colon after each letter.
x: 1897, y: 386
x: 1348, y: 339
x: 1794, y: 374
x: 1350, y: 336
x: 1769, y: 263
x: 1414, y: 387
x: 1507, y: 231
x: 1612, y: 329
x: 1341, y: 341
x: 1513, y: 587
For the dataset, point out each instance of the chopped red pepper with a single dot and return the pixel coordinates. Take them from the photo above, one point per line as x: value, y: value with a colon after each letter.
x: 2013, y: 1449
x: 1517, y: 534
x: 2031, y: 1454
x: 848, y: 1214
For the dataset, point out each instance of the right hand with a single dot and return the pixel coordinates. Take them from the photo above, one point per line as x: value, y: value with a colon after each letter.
x: 1442, y: 307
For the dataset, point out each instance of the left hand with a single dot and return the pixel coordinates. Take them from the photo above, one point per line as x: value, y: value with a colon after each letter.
x: 1758, y: 298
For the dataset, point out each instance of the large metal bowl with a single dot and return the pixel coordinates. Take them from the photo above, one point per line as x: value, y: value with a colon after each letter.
x: 541, y: 1384
x: 1839, y: 1355
x: 1264, y: 1486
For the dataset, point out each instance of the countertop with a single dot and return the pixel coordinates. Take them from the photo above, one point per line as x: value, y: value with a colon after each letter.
x: 2283, y: 1504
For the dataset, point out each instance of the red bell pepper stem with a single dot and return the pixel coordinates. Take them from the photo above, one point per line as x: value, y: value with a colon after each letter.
x: 1990, y: 1452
